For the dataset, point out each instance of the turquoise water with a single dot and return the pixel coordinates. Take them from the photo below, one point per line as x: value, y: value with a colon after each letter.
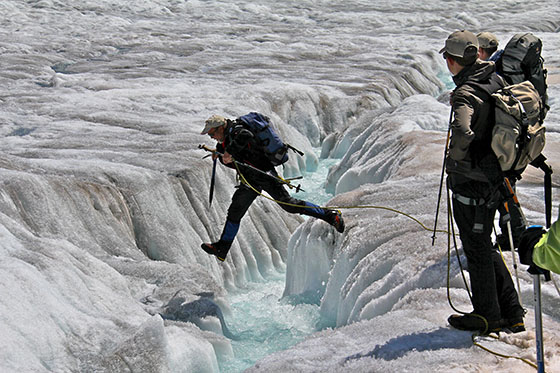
x: 313, y: 183
x: 260, y: 318
x: 447, y: 79
x: 265, y: 323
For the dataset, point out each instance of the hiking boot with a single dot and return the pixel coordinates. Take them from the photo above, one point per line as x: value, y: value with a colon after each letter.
x: 218, y: 249
x: 334, y: 218
x: 474, y: 323
x: 514, y: 324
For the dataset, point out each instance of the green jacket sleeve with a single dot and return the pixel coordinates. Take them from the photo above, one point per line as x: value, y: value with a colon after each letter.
x: 547, y: 251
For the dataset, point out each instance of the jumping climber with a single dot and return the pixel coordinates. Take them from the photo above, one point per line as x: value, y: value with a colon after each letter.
x: 236, y: 143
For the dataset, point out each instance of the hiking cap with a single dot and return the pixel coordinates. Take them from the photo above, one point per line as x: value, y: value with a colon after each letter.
x: 213, y: 122
x: 458, y: 42
x: 487, y: 40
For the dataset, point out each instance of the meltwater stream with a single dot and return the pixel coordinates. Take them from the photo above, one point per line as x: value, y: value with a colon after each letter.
x: 263, y: 321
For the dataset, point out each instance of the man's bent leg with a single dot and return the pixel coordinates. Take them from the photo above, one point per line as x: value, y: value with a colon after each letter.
x: 240, y: 202
x: 297, y: 206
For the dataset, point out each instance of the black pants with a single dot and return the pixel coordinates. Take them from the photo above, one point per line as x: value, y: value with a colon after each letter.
x: 493, y: 292
x: 244, y: 197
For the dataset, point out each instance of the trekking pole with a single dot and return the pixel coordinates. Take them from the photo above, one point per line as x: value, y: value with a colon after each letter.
x: 212, y: 181
x: 548, y: 196
x: 537, y: 298
x: 538, y: 308
x: 510, y: 236
x: 442, y: 176
x: 538, y: 322
x: 277, y: 178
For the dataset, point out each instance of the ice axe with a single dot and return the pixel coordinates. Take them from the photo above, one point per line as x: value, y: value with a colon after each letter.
x: 212, y: 179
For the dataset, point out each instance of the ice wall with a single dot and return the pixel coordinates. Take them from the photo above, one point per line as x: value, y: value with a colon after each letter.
x: 391, y: 162
x: 92, y: 251
x: 103, y: 208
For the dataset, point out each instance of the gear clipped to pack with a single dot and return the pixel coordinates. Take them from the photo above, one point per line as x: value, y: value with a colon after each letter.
x: 273, y: 146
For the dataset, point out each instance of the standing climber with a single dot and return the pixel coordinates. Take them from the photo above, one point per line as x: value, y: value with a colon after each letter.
x: 474, y: 177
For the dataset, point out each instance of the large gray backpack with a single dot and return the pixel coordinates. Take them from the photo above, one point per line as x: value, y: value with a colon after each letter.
x: 518, y: 136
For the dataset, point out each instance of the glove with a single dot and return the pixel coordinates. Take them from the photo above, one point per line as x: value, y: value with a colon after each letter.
x: 527, y: 243
x: 536, y: 270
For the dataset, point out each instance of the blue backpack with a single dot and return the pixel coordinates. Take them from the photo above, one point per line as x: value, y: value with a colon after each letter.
x: 274, y: 148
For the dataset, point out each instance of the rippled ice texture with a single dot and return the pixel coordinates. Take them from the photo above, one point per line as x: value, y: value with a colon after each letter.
x: 103, y: 192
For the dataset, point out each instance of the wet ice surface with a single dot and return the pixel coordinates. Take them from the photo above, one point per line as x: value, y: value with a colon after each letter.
x: 104, y: 194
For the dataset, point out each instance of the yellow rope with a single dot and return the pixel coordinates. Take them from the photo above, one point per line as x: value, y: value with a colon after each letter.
x: 244, y: 181
x: 502, y: 255
x: 498, y: 354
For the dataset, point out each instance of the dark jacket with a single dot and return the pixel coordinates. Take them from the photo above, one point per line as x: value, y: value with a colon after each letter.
x: 243, y: 146
x: 470, y: 155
